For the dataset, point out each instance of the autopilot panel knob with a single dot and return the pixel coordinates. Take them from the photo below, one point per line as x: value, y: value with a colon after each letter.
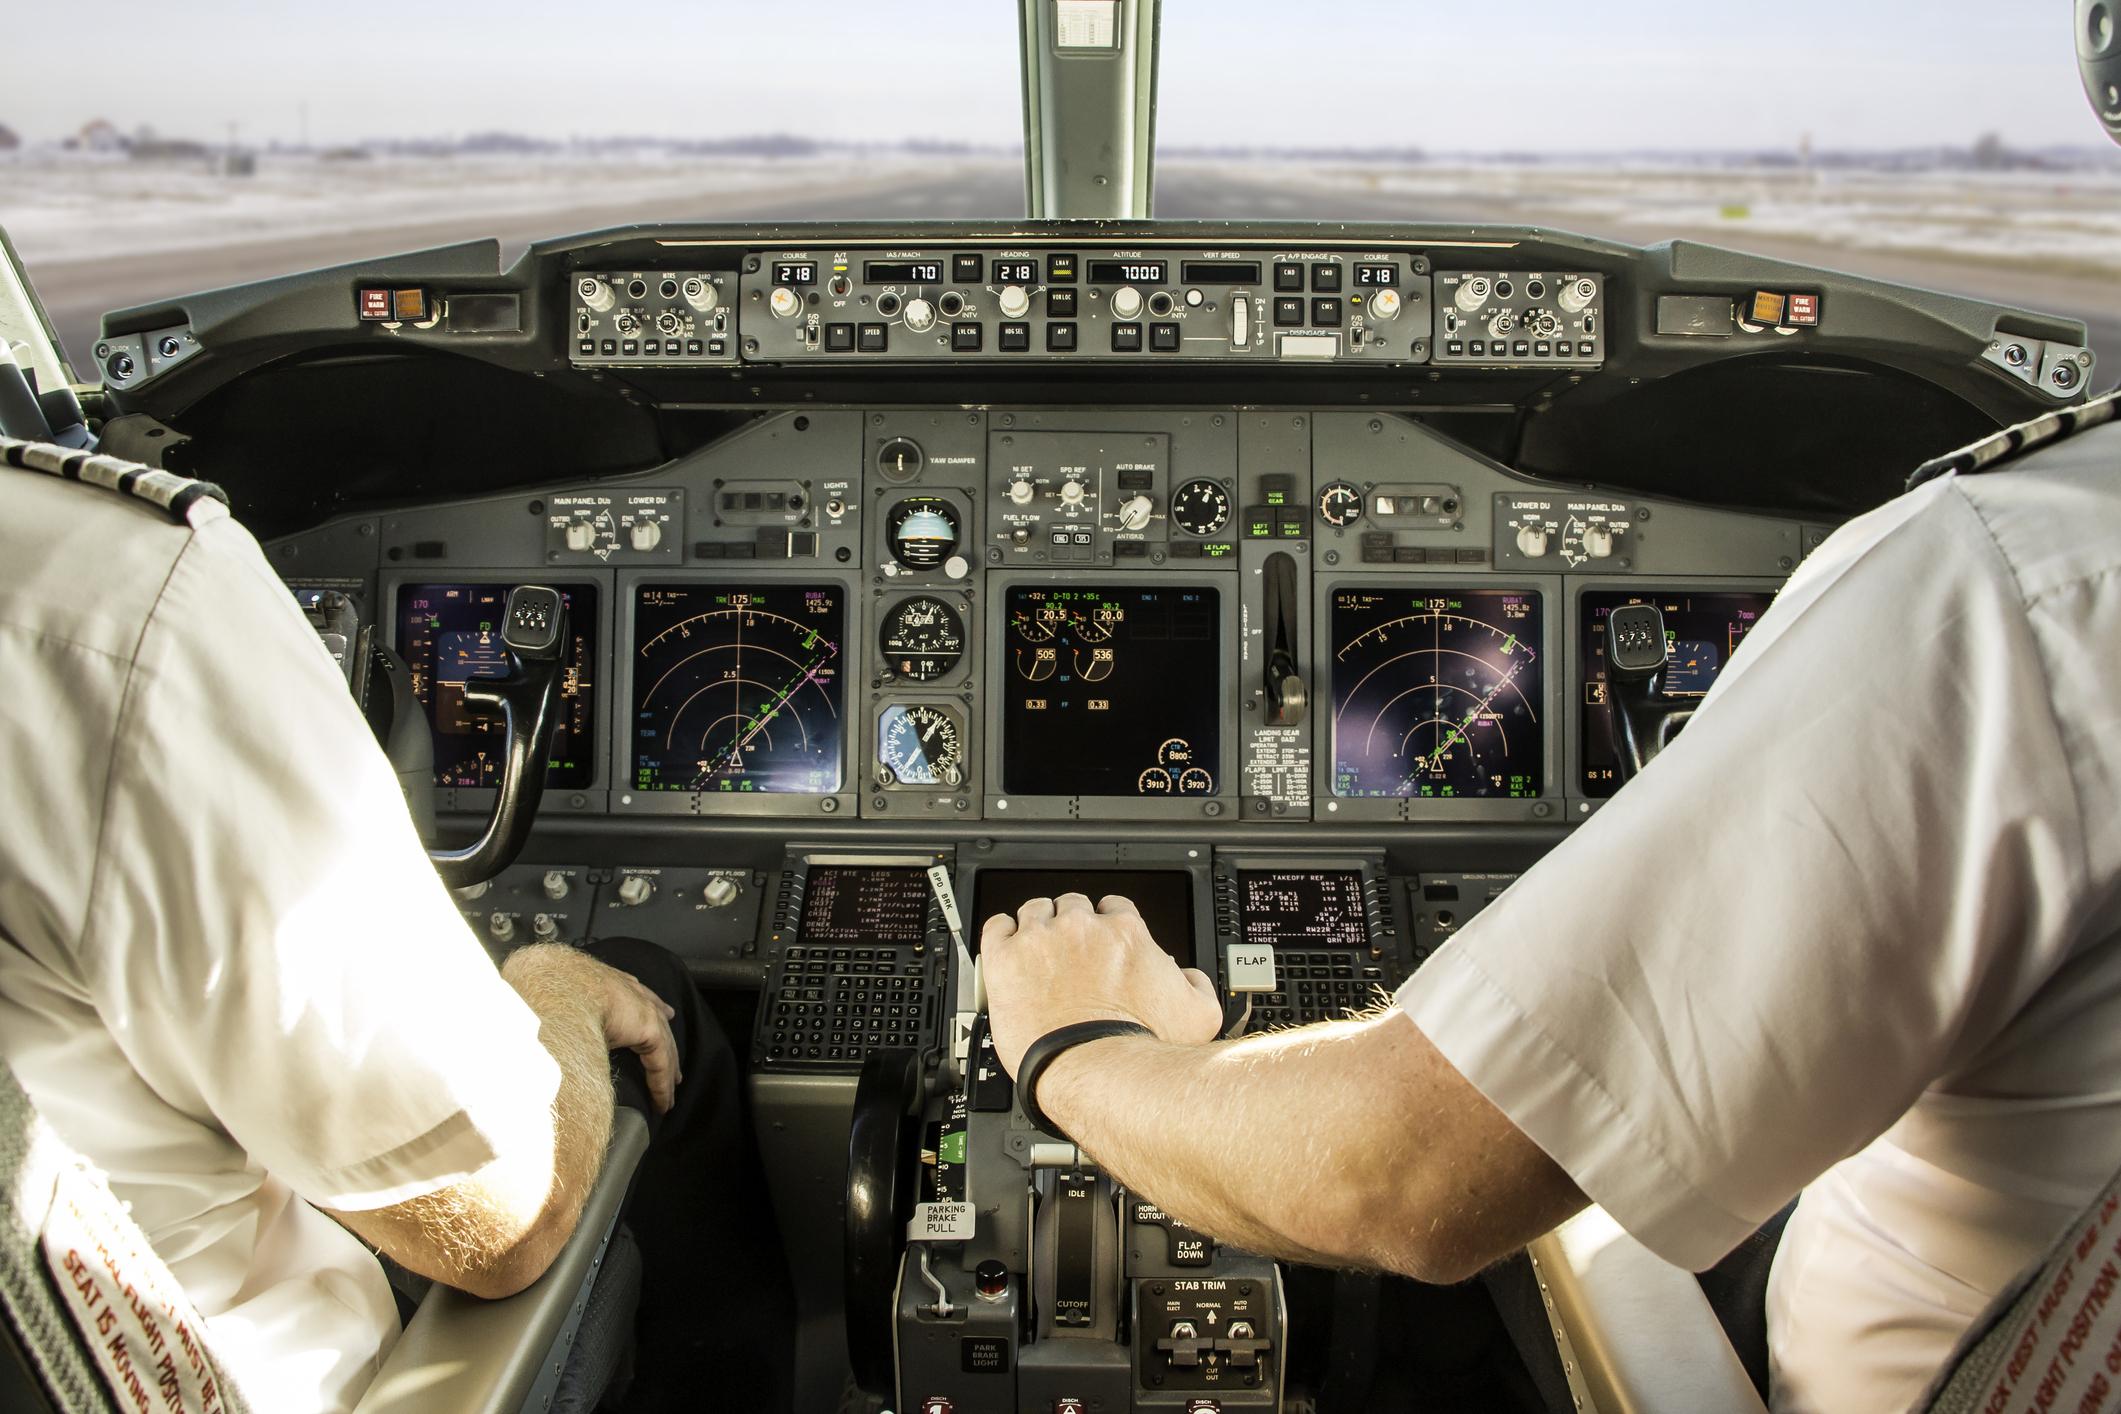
x: 595, y: 293
x: 1014, y: 302
x: 1531, y: 541
x: 920, y: 315
x: 784, y: 302
x: 1021, y: 490
x: 635, y: 890
x: 1384, y: 304
x: 1135, y: 511
x: 1473, y: 293
x: 1126, y: 302
x: 501, y: 927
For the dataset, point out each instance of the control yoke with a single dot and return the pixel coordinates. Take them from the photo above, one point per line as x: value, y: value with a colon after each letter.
x: 1644, y: 719
x: 881, y: 1147
x: 533, y: 638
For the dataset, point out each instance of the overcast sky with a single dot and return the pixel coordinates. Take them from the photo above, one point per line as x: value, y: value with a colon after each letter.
x: 1553, y: 75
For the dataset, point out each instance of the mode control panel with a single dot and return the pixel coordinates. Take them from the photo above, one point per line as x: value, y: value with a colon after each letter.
x: 1515, y: 317
x: 1024, y: 303
x: 651, y: 316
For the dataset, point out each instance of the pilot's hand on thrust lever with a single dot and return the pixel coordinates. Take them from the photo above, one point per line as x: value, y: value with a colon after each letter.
x: 1059, y: 961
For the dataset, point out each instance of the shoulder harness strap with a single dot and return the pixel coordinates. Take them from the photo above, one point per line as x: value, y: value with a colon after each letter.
x: 184, y: 500
x: 1996, y: 449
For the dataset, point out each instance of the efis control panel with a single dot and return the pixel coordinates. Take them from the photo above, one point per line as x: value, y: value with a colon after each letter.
x: 1519, y: 317
x: 651, y: 316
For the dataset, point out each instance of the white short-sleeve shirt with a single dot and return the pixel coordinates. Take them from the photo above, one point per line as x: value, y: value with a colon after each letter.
x: 228, y: 974
x: 1856, y: 933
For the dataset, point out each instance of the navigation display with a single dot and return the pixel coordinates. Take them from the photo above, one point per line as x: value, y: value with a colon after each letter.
x: 1164, y: 898
x: 451, y: 633
x: 865, y: 904
x: 1438, y: 693
x: 1702, y: 631
x: 1302, y: 908
x: 1112, y: 691
x: 738, y: 689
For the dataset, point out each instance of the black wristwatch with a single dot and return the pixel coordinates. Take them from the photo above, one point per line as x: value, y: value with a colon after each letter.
x: 1042, y: 1052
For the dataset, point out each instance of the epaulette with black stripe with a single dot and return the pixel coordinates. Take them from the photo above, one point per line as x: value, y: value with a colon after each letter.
x: 180, y: 497
x: 1994, y: 450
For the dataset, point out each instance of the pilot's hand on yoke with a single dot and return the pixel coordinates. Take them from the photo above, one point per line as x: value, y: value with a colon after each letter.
x: 1059, y: 961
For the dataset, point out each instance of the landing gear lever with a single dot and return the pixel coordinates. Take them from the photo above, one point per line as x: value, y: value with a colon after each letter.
x: 1287, y: 697
x: 533, y: 641
x: 1644, y: 718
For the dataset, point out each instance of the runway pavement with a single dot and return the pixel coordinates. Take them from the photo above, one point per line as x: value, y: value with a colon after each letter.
x: 78, y: 292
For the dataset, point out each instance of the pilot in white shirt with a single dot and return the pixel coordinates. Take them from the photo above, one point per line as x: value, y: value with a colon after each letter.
x: 229, y: 975
x: 1855, y: 934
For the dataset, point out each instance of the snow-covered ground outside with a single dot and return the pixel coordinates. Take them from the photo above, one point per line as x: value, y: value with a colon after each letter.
x: 2070, y: 220
x: 73, y: 206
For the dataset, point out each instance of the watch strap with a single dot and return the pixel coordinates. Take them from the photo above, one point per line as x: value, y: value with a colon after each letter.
x: 1042, y: 1053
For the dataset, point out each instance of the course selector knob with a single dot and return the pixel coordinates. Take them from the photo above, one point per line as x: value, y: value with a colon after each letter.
x: 1126, y: 302
x: 920, y: 315
x: 1384, y: 304
x: 1531, y: 541
x: 1014, y: 302
x: 635, y: 890
x: 785, y: 303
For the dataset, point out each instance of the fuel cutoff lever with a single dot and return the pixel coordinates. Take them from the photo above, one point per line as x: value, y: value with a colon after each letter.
x: 533, y: 641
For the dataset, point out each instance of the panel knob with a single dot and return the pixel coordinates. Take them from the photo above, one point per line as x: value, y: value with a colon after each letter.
x: 1014, y: 302
x: 719, y: 892
x: 920, y: 315
x: 1473, y: 293
x: 1126, y: 302
x: 1021, y: 490
x: 1071, y: 492
x: 1576, y: 295
x: 635, y: 890
x: 475, y: 891
x: 1531, y: 541
x: 501, y: 927
x: 581, y: 535
x: 699, y: 293
x: 594, y: 293
x: 557, y: 885
x: 1384, y: 304
x: 1134, y: 512
x: 646, y: 534
x: 785, y: 303
x: 1598, y: 541
x: 544, y: 928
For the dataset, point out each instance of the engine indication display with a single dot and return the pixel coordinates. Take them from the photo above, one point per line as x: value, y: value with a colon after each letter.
x: 449, y: 634
x: 1302, y: 908
x: 738, y: 689
x: 1702, y: 631
x: 1437, y: 693
x: 921, y: 639
x: 1112, y: 691
x: 920, y: 744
